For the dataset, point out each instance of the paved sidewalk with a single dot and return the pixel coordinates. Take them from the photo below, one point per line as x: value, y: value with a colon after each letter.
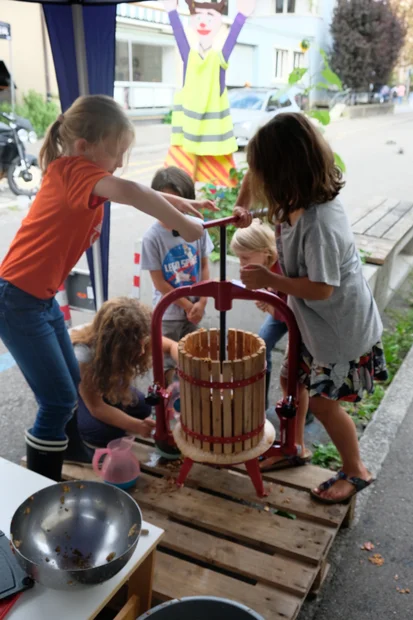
x: 358, y: 589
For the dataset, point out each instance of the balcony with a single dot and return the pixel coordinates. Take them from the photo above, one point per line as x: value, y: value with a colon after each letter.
x: 139, y: 97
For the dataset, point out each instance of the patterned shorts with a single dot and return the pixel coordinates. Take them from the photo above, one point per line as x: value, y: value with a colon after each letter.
x: 347, y: 381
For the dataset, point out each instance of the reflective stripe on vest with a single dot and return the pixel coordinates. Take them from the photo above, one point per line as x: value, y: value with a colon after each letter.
x: 205, y: 116
x: 210, y: 138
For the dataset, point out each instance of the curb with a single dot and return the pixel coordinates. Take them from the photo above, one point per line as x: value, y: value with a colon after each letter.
x: 151, y: 149
x: 376, y: 440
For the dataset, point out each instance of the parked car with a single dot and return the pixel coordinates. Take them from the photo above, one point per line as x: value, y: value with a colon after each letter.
x: 251, y: 108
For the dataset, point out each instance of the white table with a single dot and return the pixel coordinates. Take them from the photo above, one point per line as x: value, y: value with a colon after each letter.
x: 17, y: 483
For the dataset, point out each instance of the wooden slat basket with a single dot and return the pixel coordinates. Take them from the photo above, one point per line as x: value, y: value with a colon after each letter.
x: 235, y: 410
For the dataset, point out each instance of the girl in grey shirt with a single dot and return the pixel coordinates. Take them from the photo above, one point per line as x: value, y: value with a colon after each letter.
x: 292, y: 171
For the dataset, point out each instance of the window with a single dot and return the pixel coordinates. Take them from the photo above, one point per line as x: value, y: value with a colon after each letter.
x: 277, y: 101
x: 281, y: 60
x: 273, y: 103
x: 146, y: 63
x: 122, y: 62
x: 285, y: 102
x: 291, y: 6
x: 279, y: 6
x: 241, y: 101
x: 298, y: 60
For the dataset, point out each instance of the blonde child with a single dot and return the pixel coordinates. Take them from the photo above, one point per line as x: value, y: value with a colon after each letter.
x: 292, y: 171
x: 81, y: 151
x: 256, y: 245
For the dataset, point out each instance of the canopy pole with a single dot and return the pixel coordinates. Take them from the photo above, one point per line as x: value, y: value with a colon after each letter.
x: 81, y: 64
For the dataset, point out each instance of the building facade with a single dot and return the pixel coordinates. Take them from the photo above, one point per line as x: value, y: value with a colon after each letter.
x: 148, y: 66
x: 149, y: 69
x: 32, y: 61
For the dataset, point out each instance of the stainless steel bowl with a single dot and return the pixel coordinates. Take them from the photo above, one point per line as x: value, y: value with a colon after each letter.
x: 75, y: 533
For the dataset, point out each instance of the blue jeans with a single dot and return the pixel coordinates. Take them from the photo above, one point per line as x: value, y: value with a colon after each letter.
x: 271, y: 332
x: 99, y: 433
x: 35, y: 333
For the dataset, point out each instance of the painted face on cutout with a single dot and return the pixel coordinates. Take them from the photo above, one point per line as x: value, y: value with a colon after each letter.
x: 206, y: 23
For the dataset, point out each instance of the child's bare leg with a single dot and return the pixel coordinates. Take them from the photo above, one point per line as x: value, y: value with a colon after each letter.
x: 301, y: 413
x: 342, y: 431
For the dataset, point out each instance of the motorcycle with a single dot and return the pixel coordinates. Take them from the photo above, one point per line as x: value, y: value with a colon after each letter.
x: 21, y: 168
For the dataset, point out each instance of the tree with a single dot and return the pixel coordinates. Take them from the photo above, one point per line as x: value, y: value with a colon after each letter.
x: 404, y: 10
x: 368, y: 37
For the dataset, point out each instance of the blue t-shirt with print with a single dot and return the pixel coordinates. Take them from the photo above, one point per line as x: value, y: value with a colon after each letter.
x: 179, y: 261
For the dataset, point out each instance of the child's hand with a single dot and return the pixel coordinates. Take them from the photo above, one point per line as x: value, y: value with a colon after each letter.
x: 187, y: 207
x: 263, y: 306
x: 174, y: 352
x: 144, y: 428
x: 209, y: 205
x: 255, y: 277
x: 196, y: 313
x: 245, y: 217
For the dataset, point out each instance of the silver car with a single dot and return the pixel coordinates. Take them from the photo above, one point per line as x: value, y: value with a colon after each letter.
x: 251, y: 108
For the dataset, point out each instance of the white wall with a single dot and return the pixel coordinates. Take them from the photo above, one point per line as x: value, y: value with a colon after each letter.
x: 27, y: 48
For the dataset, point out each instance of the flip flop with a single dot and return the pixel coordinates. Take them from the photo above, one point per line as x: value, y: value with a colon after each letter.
x: 358, y: 483
x: 269, y: 464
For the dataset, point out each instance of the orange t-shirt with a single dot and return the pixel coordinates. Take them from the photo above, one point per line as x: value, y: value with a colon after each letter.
x: 62, y: 223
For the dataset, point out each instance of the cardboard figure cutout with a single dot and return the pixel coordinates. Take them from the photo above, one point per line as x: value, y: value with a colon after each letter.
x: 203, y: 141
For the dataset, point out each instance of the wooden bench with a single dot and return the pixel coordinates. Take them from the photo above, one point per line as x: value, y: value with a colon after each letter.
x: 384, y: 231
x: 221, y: 540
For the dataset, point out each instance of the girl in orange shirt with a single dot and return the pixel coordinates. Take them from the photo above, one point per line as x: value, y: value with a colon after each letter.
x: 81, y: 152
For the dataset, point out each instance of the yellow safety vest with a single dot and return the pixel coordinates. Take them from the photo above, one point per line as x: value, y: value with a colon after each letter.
x: 201, y: 119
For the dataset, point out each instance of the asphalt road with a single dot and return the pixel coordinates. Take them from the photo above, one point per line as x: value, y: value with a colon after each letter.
x: 375, y: 166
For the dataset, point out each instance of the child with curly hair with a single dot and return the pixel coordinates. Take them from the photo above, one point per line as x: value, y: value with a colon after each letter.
x: 113, y: 351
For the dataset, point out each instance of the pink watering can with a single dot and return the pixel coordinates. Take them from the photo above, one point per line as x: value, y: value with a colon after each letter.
x: 120, y: 466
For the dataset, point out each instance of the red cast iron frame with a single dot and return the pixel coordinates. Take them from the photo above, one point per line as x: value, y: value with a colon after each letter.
x: 224, y: 293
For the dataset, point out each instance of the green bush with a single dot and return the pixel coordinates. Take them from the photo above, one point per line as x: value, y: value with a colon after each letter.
x: 40, y: 113
x: 167, y: 119
x: 225, y: 199
x: 327, y: 456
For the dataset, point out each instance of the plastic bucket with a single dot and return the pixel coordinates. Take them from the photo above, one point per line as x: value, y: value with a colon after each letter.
x: 201, y: 608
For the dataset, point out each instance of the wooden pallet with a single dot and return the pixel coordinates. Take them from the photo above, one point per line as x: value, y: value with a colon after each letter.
x: 222, y: 540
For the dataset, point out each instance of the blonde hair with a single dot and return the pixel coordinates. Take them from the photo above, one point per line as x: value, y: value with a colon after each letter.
x: 258, y: 237
x: 93, y: 118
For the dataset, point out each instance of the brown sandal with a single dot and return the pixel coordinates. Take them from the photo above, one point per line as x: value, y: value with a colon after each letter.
x: 286, y: 462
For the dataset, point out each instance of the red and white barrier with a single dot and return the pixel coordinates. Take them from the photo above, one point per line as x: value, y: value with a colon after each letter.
x: 61, y: 298
x: 136, y: 287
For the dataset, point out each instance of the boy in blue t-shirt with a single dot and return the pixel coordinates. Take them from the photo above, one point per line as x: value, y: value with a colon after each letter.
x: 172, y: 262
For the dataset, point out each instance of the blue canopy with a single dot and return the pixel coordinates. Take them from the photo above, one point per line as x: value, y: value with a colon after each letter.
x: 82, y: 37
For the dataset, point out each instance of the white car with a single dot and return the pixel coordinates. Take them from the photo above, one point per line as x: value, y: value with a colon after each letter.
x: 251, y: 108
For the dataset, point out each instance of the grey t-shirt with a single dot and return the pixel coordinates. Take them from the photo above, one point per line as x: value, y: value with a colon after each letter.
x: 321, y: 246
x: 179, y: 261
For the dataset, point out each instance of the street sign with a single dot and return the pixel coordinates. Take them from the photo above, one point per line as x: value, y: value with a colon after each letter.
x: 5, y: 31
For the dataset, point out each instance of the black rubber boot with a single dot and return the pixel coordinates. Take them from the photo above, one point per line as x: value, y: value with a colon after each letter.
x: 267, y: 388
x: 45, y: 457
x: 77, y: 451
